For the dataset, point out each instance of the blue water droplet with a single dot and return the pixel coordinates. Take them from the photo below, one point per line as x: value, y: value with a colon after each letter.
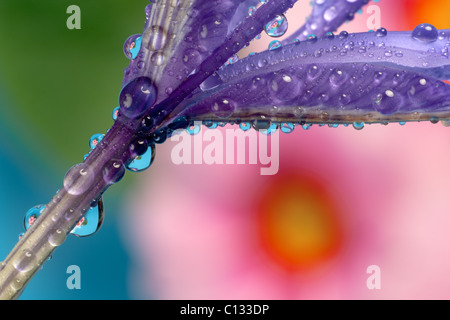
x: 193, y: 129
x: 95, y: 140
x: 251, y: 10
x: 286, y: 127
x: 274, y: 45
x: 329, y: 35
x: 270, y: 130
x: 277, y: 27
x: 143, y: 162
x: 358, y: 125
x: 132, y: 46
x: 425, y: 32
x: 32, y: 215
x: 91, y: 222
x: 210, y: 124
x: 245, y: 126
x: 136, y: 97
x: 306, y: 126
x: 115, y: 113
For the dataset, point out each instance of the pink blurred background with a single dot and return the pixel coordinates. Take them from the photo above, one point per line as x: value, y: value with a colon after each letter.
x: 343, y: 200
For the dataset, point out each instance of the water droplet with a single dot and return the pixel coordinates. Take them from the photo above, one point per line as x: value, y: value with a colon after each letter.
x: 329, y: 35
x: 245, y: 126
x: 330, y: 13
x: 56, y: 237
x: 78, y: 179
x: 387, y: 102
x: 382, y: 32
x: 270, y: 130
x: 32, y: 215
x: 158, y: 38
x: 223, y: 108
x: 193, y: 129
x: 91, y: 222
x: 306, y: 126
x: 286, y: 127
x: 192, y: 58
x: 285, y: 87
x: 233, y: 59
x: 136, y: 97
x: 277, y: 27
x: 210, y: 124
x: 157, y: 58
x: 132, y: 46
x: 113, y: 171
x: 425, y: 32
x: 115, y: 113
x: 95, y: 140
x: 358, y: 125
x: 142, y: 162
x: 211, y: 82
x: 251, y: 10
x: 26, y: 261
x: 274, y: 45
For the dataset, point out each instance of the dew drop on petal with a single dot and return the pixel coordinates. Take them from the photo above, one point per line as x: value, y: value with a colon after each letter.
x: 113, y: 171
x: 425, y: 32
x: 136, y: 97
x: 223, y: 108
x: 277, y: 27
x: 132, y: 46
x: 78, y: 179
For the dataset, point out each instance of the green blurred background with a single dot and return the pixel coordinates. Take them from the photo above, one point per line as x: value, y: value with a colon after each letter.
x: 57, y: 88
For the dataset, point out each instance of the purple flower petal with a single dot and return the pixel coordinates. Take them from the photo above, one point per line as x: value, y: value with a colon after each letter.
x: 303, y: 82
x: 327, y: 16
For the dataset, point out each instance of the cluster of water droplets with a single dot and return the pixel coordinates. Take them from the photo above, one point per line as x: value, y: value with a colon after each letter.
x: 86, y: 226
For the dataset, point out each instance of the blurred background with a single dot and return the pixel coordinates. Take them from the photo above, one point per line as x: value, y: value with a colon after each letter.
x: 342, y: 200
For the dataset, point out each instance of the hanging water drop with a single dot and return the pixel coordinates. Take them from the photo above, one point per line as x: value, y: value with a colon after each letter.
x: 95, y: 140
x: 142, y: 162
x: 115, y: 113
x: 245, y: 126
x: 287, y: 127
x: 425, y: 32
x: 358, y: 125
x: 277, y: 27
x: 193, y: 129
x: 91, y: 222
x: 132, y: 46
x: 32, y: 215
